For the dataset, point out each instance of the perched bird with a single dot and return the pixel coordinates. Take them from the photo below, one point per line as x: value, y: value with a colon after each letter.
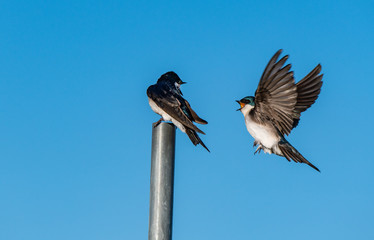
x: 276, y: 107
x: 165, y: 99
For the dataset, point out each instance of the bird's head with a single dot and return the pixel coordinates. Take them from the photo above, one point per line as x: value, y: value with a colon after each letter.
x: 246, y: 104
x: 171, y: 78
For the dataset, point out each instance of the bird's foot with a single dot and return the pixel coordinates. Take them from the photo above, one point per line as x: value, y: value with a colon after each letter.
x: 255, y: 143
x: 258, y: 150
x: 158, y: 122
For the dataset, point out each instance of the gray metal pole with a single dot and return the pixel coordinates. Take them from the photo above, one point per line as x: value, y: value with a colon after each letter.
x: 162, y: 182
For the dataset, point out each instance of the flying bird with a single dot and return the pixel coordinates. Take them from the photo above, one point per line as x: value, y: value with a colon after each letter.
x: 277, y: 105
x: 165, y: 99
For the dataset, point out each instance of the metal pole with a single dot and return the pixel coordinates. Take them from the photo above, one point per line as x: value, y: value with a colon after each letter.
x: 162, y: 182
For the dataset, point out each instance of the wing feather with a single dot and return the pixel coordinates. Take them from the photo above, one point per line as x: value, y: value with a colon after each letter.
x: 276, y: 94
x: 308, y: 90
x: 269, y: 66
x: 279, y: 100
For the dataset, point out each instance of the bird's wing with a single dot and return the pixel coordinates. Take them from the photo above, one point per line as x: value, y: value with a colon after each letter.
x: 172, y: 104
x: 276, y: 95
x: 308, y: 90
x: 193, y: 114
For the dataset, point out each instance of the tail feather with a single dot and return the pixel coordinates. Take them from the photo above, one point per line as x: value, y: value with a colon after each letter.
x: 195, y: 139
x: 289, y: 152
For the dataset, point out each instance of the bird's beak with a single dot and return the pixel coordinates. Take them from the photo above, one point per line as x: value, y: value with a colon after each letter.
x: 183, y: 82
x: 240, y: 105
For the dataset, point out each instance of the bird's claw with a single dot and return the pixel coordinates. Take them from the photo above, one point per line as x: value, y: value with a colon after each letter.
x: 158, y: 122
x: 258, y: 150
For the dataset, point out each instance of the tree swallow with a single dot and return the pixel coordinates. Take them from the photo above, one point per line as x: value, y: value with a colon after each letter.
x: 276, y: 107
x: 165, y: 99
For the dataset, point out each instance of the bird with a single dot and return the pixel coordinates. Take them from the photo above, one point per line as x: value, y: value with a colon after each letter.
x: 276, y: 108
x: 165, y: 99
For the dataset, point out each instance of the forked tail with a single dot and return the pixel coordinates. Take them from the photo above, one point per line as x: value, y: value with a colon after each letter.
x: 195, y: 139
x: 290, y: 152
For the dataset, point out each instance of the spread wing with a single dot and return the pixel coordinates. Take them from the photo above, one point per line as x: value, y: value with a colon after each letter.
x: 174, y: 105
x: 308, y: 90
x: 276, y: 95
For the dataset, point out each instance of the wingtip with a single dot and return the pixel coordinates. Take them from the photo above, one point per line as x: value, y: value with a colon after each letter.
x: 318, y: 68
x: 201, y: 121
x: 277, y: 54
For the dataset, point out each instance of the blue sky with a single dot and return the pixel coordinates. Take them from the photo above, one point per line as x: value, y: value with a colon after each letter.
x: 76, y: 126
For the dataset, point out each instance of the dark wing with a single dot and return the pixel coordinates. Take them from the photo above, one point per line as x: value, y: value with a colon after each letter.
x: 276, y: 95
x: 173, y: 104
x: 193, y: 114
x: 308, y: 90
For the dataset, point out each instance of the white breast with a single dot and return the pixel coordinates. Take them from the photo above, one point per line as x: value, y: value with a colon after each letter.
x: 156, y: 109
x: 265, y: 135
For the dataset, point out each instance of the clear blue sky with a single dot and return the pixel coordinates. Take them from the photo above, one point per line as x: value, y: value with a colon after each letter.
x: 75, y: 124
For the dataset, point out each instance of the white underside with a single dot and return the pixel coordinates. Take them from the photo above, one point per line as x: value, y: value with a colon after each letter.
x: 164, y: 115
x: 265, y: 136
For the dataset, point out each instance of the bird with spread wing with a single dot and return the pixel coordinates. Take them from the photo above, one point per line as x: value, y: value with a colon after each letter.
x: 277, y: 105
